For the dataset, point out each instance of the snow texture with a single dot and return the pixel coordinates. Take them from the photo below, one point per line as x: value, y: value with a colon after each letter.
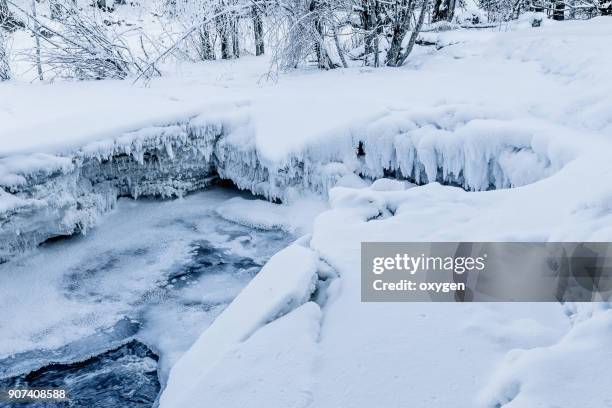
x: 151, y: 268
x: 286, y: 282
x: 507, y: 135
x: 545, y: 134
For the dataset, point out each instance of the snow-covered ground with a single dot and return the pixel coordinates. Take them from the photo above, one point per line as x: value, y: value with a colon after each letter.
x: 491, y: 109
x: 519, y: 119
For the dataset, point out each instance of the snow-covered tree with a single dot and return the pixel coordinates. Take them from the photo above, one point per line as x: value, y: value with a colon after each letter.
x: 304, y: 30
x: 8, y: 21
x: 443, y: 10
x: 498, y: 10
x: 76, y: 45
x: 385, y: 24
x: 216, y: 25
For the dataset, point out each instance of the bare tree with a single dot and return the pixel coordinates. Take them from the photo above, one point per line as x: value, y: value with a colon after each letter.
x: 303, y: 35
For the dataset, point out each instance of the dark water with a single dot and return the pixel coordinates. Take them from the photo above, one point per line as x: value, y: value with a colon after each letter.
x: 123, y: 377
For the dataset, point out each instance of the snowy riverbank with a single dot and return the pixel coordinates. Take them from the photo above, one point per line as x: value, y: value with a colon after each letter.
x: 508, y: 131
x: 63, y: 167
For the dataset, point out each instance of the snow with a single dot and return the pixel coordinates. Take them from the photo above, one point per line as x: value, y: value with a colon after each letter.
x: 507, y: 131
x: 286, y: 282
x: 296, y: 219
x: 285, y: 382
x: 531, y: 377
x: 255, y: 136
x: 276, y: 110
x: 556, y: 161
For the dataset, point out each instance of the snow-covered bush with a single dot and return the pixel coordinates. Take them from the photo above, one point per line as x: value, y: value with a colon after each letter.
x: 74, y: 43
x: 84, y: 48
x: 499, y: 10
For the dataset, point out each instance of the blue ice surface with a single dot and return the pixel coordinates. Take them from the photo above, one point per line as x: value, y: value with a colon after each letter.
x: 141, y: 288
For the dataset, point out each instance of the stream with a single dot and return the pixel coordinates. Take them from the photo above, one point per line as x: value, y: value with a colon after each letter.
x: 106, y: 314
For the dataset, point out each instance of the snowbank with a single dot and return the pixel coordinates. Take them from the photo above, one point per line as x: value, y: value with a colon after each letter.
x: 45, y: 195
x: 578, y: 362
x: 296, y: 218
x: 58, y: 194
x: 524, y: 131
x: 285, y: 283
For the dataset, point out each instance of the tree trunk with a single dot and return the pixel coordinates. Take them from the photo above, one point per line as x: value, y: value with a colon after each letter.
x: 395, y: 49
x: 226, y: 48
x: 223, y: 28
x: 369, y: 21
x: 322, y: 59
x: 258, y: 30
x: 235, y: 37
x: 572, y: 9
x: 37, y: 38
x: 207, y: 52
x: 559, y: 10
x: 516, y: 8
x: 5, y: 71
x: 339, y: 48
x: 319, y: 47
x: 443, y: 10
x: 415, y: 34
x: 537, y: 6
x: 399, y: 30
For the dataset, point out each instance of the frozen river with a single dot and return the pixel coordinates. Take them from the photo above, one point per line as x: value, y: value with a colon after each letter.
x: 106, y: 314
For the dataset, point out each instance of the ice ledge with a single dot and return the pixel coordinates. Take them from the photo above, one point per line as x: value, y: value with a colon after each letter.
x: 44, y: 195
